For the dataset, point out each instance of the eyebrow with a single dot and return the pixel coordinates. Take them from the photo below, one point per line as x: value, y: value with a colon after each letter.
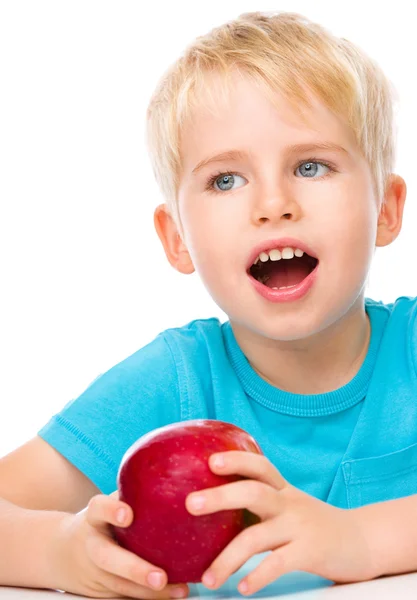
x: 290, y: 150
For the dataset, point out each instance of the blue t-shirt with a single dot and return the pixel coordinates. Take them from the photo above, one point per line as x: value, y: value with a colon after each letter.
x: 352, y: 446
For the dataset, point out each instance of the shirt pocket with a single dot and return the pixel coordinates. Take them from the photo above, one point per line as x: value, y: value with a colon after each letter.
x: 381, y: 478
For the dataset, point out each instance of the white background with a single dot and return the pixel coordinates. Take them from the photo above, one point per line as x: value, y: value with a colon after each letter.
x: 84, y: 280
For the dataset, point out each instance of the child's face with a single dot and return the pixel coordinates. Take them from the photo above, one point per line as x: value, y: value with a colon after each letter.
x: 334, y: 213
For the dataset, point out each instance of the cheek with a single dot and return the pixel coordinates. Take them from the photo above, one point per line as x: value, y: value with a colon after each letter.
x: 209, y: 234
x: 361, y: 225
x: 353, y: 238
x: 204, y: 243
x: 216, y: 255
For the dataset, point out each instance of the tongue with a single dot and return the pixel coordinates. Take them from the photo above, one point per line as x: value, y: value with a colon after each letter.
x: 289, y: 273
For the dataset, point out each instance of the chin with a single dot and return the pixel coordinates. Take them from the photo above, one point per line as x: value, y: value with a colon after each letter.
x: 280, y: 328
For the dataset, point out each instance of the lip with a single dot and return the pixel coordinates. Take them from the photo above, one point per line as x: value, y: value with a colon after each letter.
x: 289, y: 294
x: 279, y: 243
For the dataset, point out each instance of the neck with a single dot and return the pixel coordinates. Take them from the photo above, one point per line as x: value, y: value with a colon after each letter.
x: 319, y: 364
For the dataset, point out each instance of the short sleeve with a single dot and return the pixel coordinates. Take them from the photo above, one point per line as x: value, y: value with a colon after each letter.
x: 414, y: 335
x: 137, y: 395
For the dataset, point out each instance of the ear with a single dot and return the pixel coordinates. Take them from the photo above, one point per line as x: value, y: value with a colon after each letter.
x: 175, y: 249
x: 391, y: 213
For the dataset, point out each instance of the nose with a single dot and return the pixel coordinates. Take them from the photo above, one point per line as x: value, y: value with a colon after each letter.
x: 274, y: 205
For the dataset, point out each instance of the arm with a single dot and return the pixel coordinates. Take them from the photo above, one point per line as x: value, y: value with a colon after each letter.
x: 36, y: 476
x: 391, y: 530
x: 36, y: 483
x: 26, y: 537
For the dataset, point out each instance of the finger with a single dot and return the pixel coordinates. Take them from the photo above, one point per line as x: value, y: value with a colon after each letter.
x: 108, y: 556
x: 281, y: 561
x: 248, y: 464
x: 102, y: 510
x: 254, y: 540
x: 125, y: 588
x: 260, y: 498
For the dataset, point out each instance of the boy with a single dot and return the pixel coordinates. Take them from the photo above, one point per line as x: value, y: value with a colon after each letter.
x: 272, y: 142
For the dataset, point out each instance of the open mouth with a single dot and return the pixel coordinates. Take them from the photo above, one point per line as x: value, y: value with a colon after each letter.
x: 285, y: 272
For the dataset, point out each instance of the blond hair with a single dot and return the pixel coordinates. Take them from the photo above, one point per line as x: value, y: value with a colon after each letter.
x: 288, y: 54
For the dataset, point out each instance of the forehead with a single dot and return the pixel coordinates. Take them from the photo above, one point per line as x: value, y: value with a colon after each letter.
x: 243, y: 115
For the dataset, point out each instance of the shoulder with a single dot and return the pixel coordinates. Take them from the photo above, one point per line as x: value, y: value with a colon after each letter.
x: 198, y: 335
x: 400, y: 329
x: 161, y: 351
x: 404, y: 308
x: 157, y: 363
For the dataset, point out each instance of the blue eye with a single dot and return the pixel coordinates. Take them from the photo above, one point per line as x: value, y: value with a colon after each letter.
x: 311, y: 168
x: 224, y: 182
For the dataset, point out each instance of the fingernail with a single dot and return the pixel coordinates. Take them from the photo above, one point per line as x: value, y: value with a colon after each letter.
x: 218, y: 461
x: 198, y: 502
x: 178, y: 593
x: 243, y: 587
x: 155, y: 579
x: 121, y: 515
x: 208, y: 579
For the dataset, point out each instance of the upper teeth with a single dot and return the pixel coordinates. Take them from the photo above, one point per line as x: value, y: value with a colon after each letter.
x: 276, y: 254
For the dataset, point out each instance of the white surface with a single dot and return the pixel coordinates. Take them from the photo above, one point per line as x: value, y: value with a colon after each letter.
x: 294, y: 586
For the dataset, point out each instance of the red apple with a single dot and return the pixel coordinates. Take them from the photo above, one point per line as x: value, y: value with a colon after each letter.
x: 156, y: 475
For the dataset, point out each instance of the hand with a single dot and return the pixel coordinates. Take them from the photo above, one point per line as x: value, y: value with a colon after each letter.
x: 88, y: 561
x: 303, y: 532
